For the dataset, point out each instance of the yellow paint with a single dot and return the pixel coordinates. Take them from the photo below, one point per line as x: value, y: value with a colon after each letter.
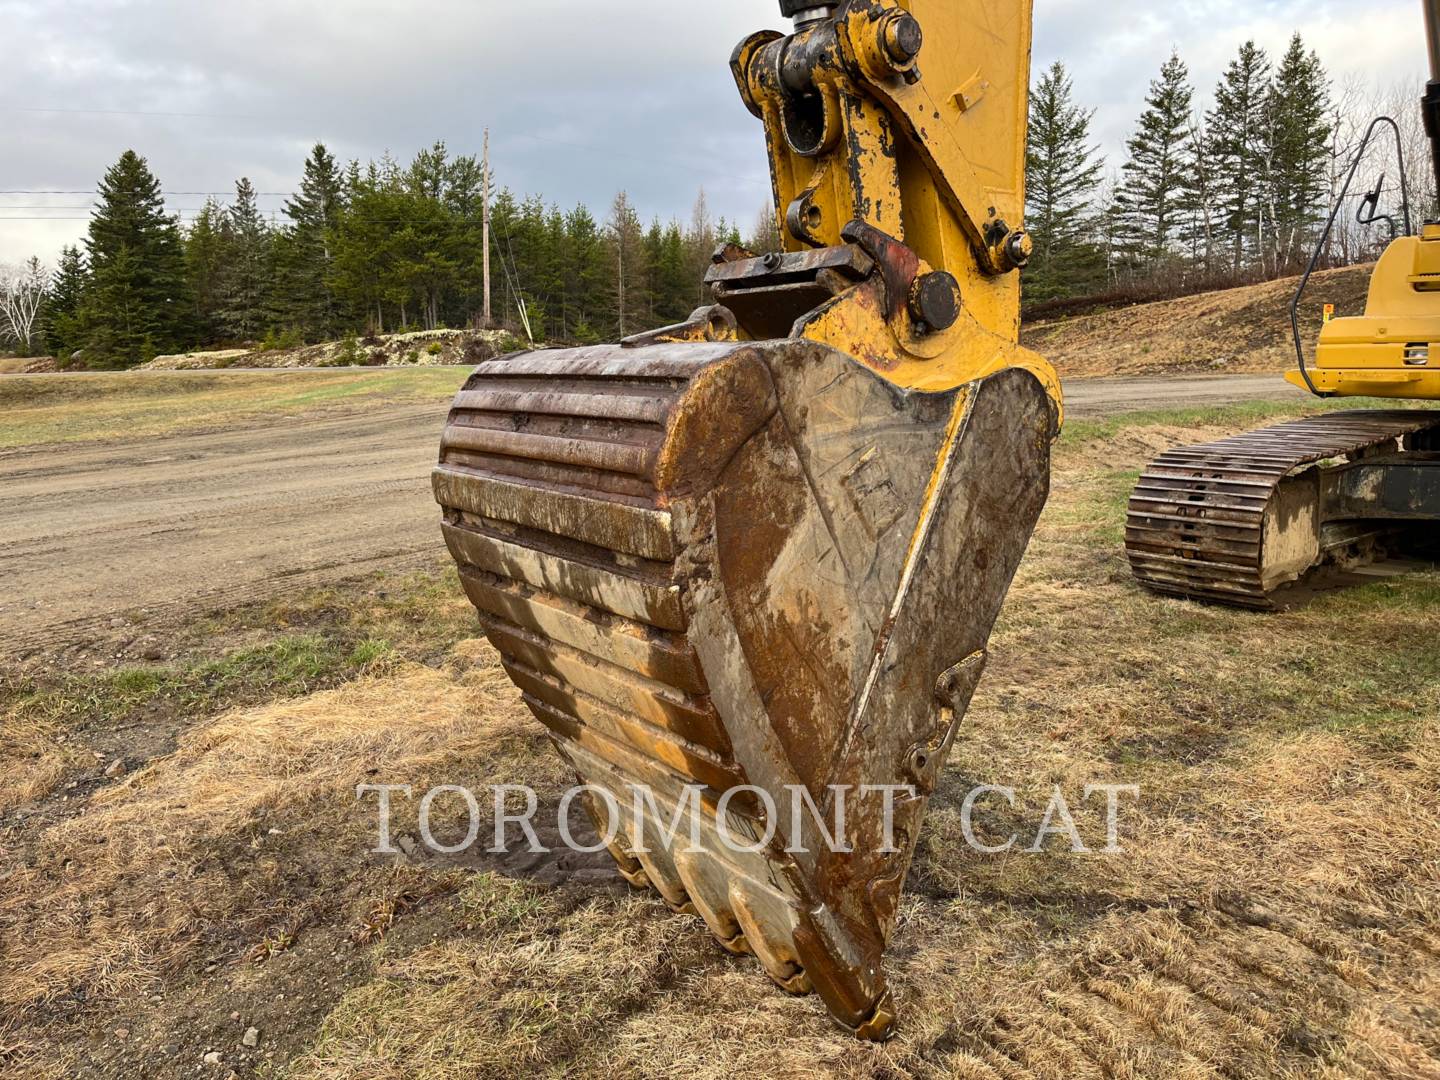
x: 1366, y: 355
x: 936, y: 161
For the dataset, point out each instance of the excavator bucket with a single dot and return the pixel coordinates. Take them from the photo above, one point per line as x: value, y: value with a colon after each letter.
x: 744, y: 569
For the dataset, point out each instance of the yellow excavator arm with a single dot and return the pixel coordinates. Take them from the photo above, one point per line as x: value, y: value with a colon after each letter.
x: 749, y: 563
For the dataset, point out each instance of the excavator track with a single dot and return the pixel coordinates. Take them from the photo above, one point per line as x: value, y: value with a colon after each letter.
x: 1238, y: 520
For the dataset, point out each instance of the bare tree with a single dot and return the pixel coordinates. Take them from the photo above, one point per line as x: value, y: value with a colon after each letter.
x: 22, y: 290
x: 765, y: 235
x: 1402, y: 101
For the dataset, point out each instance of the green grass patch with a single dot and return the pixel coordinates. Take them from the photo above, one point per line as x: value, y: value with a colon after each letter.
x: 1359, y: 662
x: 290, y: 665
x: 261, y: 653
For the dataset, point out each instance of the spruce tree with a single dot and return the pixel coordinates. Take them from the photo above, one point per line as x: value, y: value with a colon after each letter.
x: 1299, y: 136
x: 361, y: 249
x: 245, y: 279
x: 207, y: 244
x: 586, y: 275
x: 1237, y: 129
x: 1152, y: 188
x: 59, y: 317
x: 136, y: 304
x: 626, y: 247
x: 304, y: 298
x: 1062, y: 173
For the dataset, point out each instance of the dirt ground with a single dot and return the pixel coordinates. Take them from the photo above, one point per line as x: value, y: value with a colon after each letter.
x: 123, y: 531
x: 212, y: 519
x: 1223, y: 332
x: 183, y: 859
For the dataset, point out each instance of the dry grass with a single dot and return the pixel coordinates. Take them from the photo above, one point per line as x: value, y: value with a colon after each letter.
x: 1275, y: 912
x: 1229, y: 331
x: 42, y: 409
x: 235, y: 844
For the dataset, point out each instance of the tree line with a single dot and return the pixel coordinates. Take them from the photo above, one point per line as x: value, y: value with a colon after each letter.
x: 1235, y: 193
x: 1238, y: 192
x: 371, y: 248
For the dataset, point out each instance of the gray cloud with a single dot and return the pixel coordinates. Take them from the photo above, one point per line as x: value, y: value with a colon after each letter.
x: 582, y: 99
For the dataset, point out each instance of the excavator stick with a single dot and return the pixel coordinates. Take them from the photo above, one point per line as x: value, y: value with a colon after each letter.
x: 744, y: 569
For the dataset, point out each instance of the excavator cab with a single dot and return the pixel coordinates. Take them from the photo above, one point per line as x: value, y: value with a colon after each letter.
x: 1247, y: 521
x: 745, y: 567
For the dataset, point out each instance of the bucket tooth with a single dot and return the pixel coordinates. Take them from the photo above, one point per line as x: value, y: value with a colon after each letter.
x: 747, y: 565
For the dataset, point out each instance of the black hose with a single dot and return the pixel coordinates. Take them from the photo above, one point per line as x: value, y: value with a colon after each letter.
x: 1330, y: 225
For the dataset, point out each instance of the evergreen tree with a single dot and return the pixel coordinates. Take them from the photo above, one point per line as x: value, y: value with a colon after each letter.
x: 676, y: 282
x: 361, y: 252
x: 207, y: 245
x: 1299, y: 136
x: 1153, y: 189
x: 305, y: 299
x: 626, y: 245
x: 765, y: 233
x: 463, y: 197
x: 59, y: 317
x: 1062, y: 173
x: 137, y: 304
x: 587, y: 276
x: 1237, y: 129
x: 246, y: 276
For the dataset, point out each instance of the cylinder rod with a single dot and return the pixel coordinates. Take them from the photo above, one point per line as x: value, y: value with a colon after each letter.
x: 1432, y: 36
x: 805, y: 12
x: 1431, y: 102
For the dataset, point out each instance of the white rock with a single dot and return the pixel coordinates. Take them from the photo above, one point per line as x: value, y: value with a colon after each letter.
x: 251, y: 1037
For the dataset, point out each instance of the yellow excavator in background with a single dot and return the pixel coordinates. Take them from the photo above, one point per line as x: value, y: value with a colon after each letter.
x: 756, y: 557
x: 1246, y: 520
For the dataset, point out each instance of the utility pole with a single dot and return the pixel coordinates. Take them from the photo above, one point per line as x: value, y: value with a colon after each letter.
x: 485, y: 226
x: 620, y: 277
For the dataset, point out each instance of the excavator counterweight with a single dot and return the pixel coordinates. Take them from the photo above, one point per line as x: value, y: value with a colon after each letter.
x: 748, y: 564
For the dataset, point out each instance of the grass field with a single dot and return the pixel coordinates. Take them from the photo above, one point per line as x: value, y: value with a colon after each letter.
x: 1274, y: 913
x: 43, y: 408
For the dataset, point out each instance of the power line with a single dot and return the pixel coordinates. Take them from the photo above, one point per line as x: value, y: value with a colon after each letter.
x: 96, y: 191
x: 644, y: 159
x: 130, y: 112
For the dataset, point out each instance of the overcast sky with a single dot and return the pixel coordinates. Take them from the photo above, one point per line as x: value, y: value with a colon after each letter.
x: 582, y: 97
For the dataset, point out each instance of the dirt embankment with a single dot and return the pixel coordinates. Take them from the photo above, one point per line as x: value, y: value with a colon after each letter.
x: 26, y: 365
x: 418, y: 347
x: 1234, y: 330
